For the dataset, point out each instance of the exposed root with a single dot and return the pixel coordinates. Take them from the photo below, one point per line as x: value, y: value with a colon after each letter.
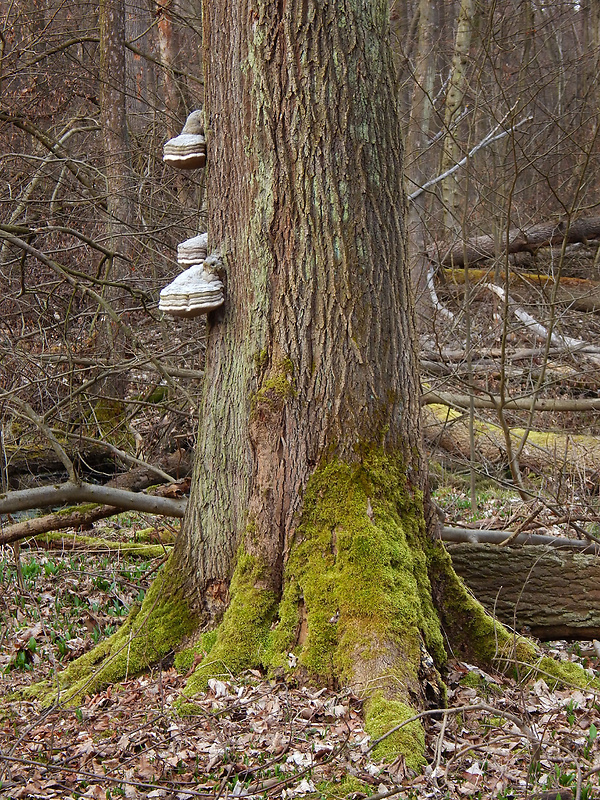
x: 478, y: 637
x: 149, y: 633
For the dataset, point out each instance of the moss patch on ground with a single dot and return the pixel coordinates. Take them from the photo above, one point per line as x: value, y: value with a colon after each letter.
x: 347, y: 786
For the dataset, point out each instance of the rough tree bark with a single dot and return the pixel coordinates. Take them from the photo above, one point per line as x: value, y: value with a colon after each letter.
x: 305, y: 544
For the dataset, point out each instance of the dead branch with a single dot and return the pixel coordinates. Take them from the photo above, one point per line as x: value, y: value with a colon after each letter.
x: 518, y: 403
x: 136, y: 480
x: 476, y: 536
x: 44, y: 496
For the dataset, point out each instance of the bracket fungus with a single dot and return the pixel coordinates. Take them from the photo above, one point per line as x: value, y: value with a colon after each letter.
x: 192, y: 251
x: 188, y: 150
x: 196, y: 291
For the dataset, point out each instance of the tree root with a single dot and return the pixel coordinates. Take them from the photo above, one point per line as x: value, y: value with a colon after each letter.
x: 149, y: 633
x: 479, y: 638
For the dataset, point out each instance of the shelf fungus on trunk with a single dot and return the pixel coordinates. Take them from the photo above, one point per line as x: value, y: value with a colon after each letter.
x: 192, y: 251
x: 196, y: 291
x: 188, y: 150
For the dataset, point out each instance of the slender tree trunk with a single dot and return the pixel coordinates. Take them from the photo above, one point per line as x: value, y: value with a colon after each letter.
x: 168, y: 48
x: 418, y: 137
x: 117, y: 165
x: 454, y: 99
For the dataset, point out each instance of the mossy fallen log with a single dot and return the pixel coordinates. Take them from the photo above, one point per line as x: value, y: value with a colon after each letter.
x: 40, y: 458
x: 579, y: 293
x: 554, y: 593
x: 563, y: 453
x: 57, y: 541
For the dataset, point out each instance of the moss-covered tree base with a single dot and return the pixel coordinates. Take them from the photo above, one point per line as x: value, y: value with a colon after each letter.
x: 358, y: 608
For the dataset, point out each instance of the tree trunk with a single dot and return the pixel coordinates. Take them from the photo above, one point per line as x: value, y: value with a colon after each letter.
x: 305, y: 361
x: 309, y: 470
x: 457, y: 85
x: 421, y: 113
x: 118, y: 176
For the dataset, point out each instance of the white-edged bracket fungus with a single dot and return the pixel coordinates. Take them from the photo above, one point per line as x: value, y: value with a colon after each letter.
x: 188, y: 150
x: 196, y: 291
x: 192, y: 251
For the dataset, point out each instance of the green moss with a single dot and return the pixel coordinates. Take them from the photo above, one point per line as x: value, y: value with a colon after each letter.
x: 564, y: 672
x: 486, y: 641
x: 139, y: 549
x: 356, y: 576
x: 185, y: 658
x: 83, y: 508
x: 381, y: 715
x: 242, y: 636
x: 108, y: 416
x: 260, y: 359
x: 148, y: 634
x: 472, y: 680
x: 348, y: 785
x: 471, y: 629
x: 275, y: 389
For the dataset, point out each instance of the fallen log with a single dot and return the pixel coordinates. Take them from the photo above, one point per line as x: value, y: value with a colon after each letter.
x: 554, y: 593
x: 519, y: 403
x: 37, y: 459
x: 570, y: 454
x: 518, y: 240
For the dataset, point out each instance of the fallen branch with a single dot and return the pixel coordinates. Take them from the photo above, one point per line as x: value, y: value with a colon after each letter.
x: 580, y: 294
x: 557, y: 339
x: 136, y: 480
x: 476, y: 536
x: 44, y: 496
x: 519, y: 403
x: 495, y: 352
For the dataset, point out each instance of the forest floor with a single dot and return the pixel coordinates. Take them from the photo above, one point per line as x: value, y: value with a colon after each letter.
x: 254, y: 737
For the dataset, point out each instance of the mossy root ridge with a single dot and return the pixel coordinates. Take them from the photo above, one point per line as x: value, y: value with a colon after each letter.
x: 147, y: 635
x: 242, y: 637
x: 480, y: 638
